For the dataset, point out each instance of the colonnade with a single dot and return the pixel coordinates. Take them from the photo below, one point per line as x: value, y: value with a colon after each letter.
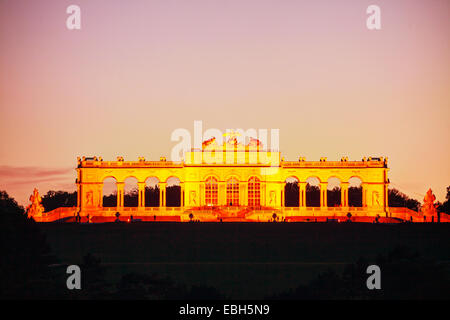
x: 324, y: 194
x: 141, y: 194
x: 243, y: 196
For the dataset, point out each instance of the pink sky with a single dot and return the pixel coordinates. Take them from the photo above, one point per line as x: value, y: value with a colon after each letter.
x: 137, y: 70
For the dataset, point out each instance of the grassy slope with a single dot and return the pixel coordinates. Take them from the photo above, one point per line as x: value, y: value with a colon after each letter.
x: 240, y: 259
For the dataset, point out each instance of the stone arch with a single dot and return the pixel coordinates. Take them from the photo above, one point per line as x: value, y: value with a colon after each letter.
x: 355, y: 192
x: 233, y: 175
x: 172, y: 178
x: 211, y: 191
x: 152, y: 191
x: 356, y: 177
x: 252, y: 175
x: 173, y: 192
x: 131, y: 192
x: 153, y: 178
x: 232, y: 185
x: 334, y: 191
x: 334, y: 175
x: 130, y: 176
x: 211, y: 174
x: 108, y: 177
x: 294, y: 176
x: 109, y: 192
x: 254, y: 191
x: 291, y: 191
x: 312, y: 191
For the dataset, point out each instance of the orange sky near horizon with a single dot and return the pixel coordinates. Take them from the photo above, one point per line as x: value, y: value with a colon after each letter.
x: 136, y: 71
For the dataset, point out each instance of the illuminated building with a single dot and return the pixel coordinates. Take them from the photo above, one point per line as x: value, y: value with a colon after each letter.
x: 234, y: 181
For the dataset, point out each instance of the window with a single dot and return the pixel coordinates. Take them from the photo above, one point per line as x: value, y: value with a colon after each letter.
x: 254, y: 194
x: 211, y: 191
x: 232, y: 192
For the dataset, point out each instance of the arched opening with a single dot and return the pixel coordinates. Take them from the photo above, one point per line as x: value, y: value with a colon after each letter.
x: 334, y: 192
x: 312, y: 192
x: 109, y: 192
x: 211, y: 192
x: 254, y: 192
x: 291, y: 192
x: 355, y: 192
x: 232, y: 192
x: 130, y: 192
x: 152, y: 192
x: 173, y: 192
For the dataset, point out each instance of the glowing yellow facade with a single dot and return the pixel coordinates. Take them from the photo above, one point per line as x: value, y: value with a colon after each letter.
x: 240, y: 180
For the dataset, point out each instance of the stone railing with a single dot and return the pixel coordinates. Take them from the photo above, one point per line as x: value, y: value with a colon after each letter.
x: 56, y: 214
x: 130, y: 164
x: 405, y: 214
x: 334, y: 164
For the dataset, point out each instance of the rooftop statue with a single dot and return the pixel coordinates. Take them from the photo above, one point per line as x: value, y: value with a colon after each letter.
x: 255, y: 142
x: 232, y: 137
x: 35, y: 209
x: 208, y: 142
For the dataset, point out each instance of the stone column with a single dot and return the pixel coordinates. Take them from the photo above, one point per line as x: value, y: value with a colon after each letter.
x: 181, y: 194
x: 162, y: 194
x: 263, y: 194
x: 302, y: 194
x: 386, y: 193
x: 344, y: 194
x: 79, y: 189
x: 201, y: 196
x: 79, y: 195
x: 222, y: 193
x: 241, y: 193
x: 100, y: 194
x: 141, y: 194
x: 283, y: 194
x: 120, y: 193
x: 323, y: 194
x: 364, y: 194
x: 245, y: 193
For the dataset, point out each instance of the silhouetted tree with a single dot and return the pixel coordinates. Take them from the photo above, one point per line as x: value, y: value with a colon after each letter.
x: 110, y: 200
x: 399, y: 199
x: 144, y: 286
x: 25, y: 255
x: 152, y: 196
x: 312, y: 195
x: 131, y: 198
x: 173, y: 196
x: 93, y: 280
x: 291, y: 194
x: 334, y: 197
x: 56, y: 199
x: 445, y: 207
x: 405, y: 275
x: 355, y: 196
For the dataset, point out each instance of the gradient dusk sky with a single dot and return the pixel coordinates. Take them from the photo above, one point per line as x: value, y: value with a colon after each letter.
x: 137, y: 70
